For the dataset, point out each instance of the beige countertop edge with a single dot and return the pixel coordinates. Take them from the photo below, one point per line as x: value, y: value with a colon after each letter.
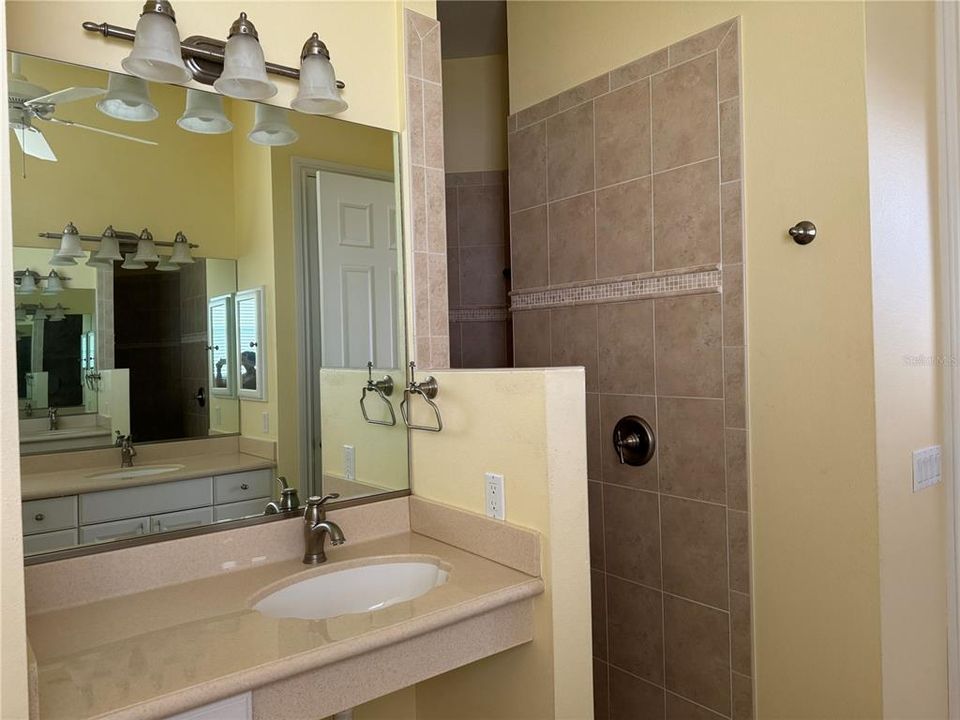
x: 211, y: 691
x: 53, y: 486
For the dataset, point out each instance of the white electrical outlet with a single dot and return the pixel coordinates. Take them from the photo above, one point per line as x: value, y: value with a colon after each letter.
x: 265, y: 420
x: 926, y: 467
x: 496, y: 501
x: 349, y: 462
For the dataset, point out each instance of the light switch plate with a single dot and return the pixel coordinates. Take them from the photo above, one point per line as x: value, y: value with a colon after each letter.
x: 926, y: 467
x: 495, y: 500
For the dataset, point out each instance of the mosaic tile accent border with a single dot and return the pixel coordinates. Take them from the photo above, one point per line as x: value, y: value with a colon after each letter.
x: 618, y: 289
x: 480, y: 313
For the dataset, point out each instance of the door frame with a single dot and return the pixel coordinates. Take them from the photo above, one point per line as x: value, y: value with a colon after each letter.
x: 948, y: 119
x: 309, y: 350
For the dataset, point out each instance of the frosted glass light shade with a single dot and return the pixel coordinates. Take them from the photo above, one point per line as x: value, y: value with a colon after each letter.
x: 271, y: 127
x: 131, y: 263
x: 70, y: 243
x: 146, y: 251
x: 181, y: 251
x: 166, y: 266
x: 28, y: 284
x: 204, y: 114
x: 156, y: 51
x: 53, y: 284
x: 109, y: 247
x: 244, y: 73
x: 40, y: 313
x: 127, y: 98
x: 57, y: 315
x: 97, y: 262
x: 319, y: 94
x: 58, y: 260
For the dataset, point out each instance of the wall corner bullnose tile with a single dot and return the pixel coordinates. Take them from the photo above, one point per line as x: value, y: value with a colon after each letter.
x: 426, y: 195
x: 648, y: 295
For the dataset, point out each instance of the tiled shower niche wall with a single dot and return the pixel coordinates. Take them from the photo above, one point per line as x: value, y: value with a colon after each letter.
x: 627, y: 258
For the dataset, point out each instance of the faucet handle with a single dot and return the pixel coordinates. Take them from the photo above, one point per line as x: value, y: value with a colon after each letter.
x: 317, y: 501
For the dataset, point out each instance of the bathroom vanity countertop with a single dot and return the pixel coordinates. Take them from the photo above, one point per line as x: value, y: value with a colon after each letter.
x: 74, y: 481
x: 156, y: 653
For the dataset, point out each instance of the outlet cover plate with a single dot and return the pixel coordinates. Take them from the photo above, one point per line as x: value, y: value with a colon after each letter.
x: 495, y: 500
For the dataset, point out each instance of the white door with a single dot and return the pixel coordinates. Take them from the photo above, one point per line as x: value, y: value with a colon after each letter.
x: 358, y: 270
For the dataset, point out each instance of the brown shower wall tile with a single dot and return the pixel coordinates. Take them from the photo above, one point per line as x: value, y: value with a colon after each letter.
x: 482, y: 215
x: 639, y: 171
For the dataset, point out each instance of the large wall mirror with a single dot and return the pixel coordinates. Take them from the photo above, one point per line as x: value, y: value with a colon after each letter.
x: 192, y: 267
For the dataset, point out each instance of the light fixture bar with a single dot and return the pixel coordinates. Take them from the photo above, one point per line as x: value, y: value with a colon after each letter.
x: 123, y: 236
x: 196, y: 47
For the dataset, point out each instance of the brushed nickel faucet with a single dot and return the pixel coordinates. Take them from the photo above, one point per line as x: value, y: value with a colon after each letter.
x: 53, y: 418
x: 288, y: 501
x: 127, y: 450
x: 316, y: 527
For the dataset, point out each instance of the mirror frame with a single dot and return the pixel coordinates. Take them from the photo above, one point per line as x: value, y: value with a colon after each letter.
x: 256, y: 295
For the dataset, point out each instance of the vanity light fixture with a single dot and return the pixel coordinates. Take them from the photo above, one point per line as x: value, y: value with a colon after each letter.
x: 271, y: 127
x: 244, y: 73
x: 28, y: 281
x: 181, y: 250
x: 58, y: 260
x: 130, y: 262
x: 128, y: 98
x: 57, y: 314
x: 156, y: 46
x: 146, y: 250
x: 319, y: 94
x: 204, y: 114
x: 54, y: 283
x: 70, y: 243
x: 165, y: 265
x: 40, y: 313
x: 96, y: 262
x: 109, y: 248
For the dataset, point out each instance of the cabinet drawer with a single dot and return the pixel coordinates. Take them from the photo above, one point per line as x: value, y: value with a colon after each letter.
x: 239, y: 707
x: 145, y: 500
x: 119, y: 530
x: 49, y: 514
x: 48, y: 542
x: 235, y: 511
x: 242, y: 486
x: 181, y: 520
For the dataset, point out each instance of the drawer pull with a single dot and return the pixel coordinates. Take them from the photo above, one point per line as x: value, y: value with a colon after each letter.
x: 39, y: 517
x: 244, y: 486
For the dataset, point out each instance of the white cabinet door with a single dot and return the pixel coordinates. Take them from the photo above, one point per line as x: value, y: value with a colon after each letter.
x: 239, y: 707
x: 119, y: 530
x: 48, y: 542
x: 237, y: 510
x: 181, y: 520
x: 145, y: 500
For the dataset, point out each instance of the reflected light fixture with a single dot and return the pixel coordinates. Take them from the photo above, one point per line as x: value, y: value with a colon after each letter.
x: 166, y: 266
x: 244, y: 73
x: 40, y: 313
x: 156, y: 46
x: 146, y: 250
x: 60, y: 260
x: 54, y: 284
x: 57, y: 313
x: 204, y: 114
x: 181, y: 250
x: 318, y: 94
x: 271, y: 127
x: 109, y: 248
x: 131, y: 263
x: 70, y: 243
x: 127, y: 98
x: 28, y: 283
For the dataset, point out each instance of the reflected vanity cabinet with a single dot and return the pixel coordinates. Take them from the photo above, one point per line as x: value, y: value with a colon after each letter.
x: 63, y: 522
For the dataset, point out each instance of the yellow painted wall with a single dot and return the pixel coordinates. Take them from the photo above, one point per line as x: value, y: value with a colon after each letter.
x: 362, y: 38
x: 816, y: 575
x: 175, y: 185
x: 902, y: 122
x: 475, y: 109
x: 528, y: 425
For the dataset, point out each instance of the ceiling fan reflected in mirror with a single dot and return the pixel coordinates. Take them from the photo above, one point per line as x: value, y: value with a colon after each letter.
x: 29, y: 103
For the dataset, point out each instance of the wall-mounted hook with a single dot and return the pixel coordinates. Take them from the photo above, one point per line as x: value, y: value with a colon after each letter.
x: 803, y: 232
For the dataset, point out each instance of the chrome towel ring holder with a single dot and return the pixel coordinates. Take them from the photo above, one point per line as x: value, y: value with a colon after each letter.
x: 383, y: 389
x: 428, y: 390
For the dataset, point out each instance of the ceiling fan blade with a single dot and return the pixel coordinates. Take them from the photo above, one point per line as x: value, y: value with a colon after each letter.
x: 70, y: 94
x: 34, y: 143
x: 71, y: 123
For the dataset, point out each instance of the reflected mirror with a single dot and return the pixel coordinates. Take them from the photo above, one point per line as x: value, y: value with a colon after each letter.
x: 219, y: 280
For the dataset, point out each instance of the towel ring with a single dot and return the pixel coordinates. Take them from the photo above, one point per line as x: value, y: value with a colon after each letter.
x: 383, y: 388
x: 428, y: 390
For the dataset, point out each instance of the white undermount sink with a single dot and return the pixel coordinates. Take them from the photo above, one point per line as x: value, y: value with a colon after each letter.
x: 353, y: 590
x: 134, y: 472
